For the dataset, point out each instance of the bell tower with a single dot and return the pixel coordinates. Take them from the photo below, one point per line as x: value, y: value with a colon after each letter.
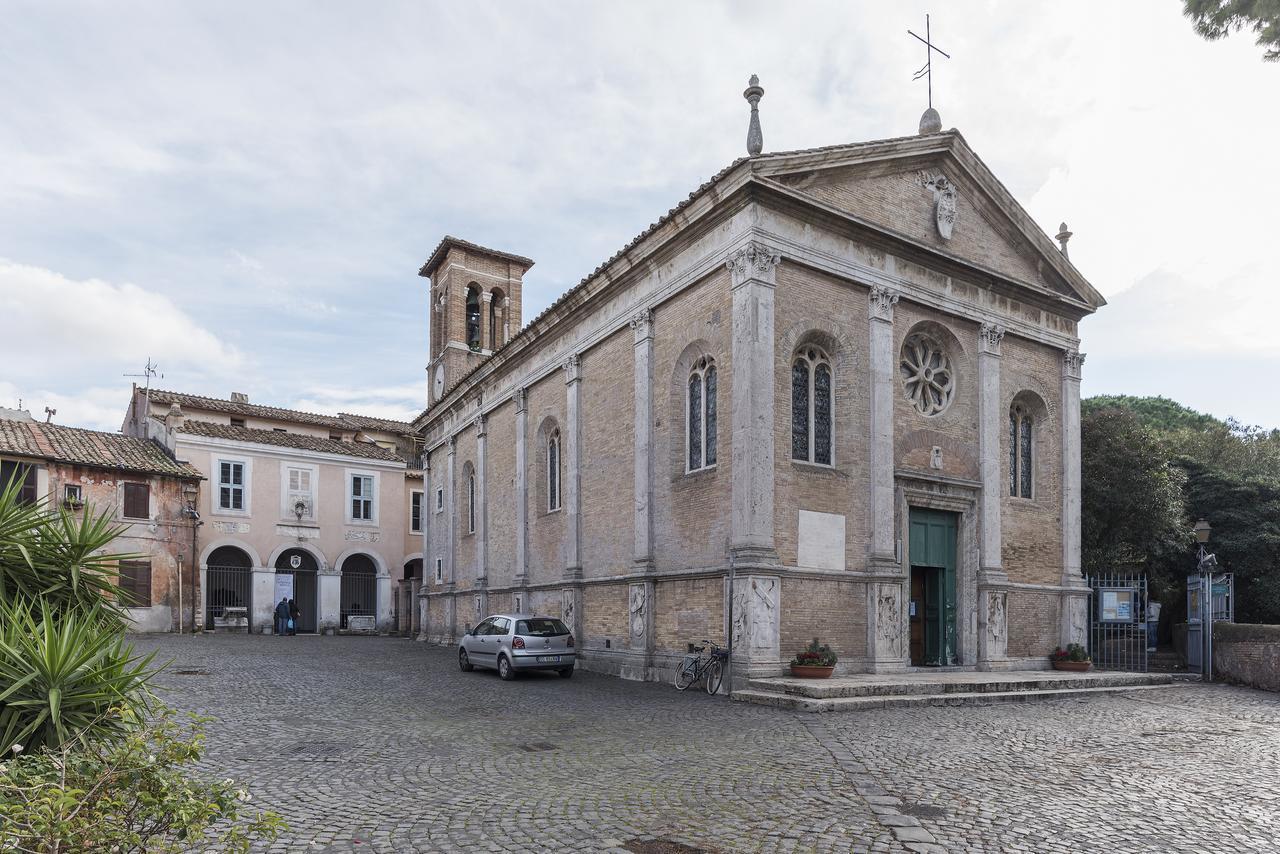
x: 475, y: 308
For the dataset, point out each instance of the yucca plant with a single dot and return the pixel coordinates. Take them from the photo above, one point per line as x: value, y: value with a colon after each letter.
x: 67, y: 675
x: 51, y: 556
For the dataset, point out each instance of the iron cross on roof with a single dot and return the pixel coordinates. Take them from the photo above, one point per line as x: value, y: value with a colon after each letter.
x: 927, y: 71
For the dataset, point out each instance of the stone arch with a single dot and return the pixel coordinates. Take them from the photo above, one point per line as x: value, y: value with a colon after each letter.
x: 380, y: 565
x: 1027, y: 406
x: 472, y: 315
x: 233, y: 543
x: 548, y: 428
x: 468, y: 517
x: 496, y: 319
x: 322, y: 565
x: 678, y: 389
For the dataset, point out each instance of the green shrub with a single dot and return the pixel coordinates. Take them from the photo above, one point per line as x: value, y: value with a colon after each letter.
x: 125, y: 795
x: 66, y: 675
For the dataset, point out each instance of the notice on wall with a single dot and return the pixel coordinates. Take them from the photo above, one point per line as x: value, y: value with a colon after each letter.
x: 284, y: 586
x: 1116, y: 605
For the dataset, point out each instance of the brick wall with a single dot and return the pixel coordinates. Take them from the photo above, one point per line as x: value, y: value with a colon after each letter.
x: 607, y: 405
x: 500, y: 493
x: 835, y: 612
x: 464, y: 561
x: 689, y: 611
x: 1033, y: 624
x: 547, y: 530
x: 605, y: 615
x: 691, y: 511
x: 813, y: 308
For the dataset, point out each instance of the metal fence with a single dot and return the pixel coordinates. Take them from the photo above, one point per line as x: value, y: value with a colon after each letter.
x: 359, y: 591
x: 227, y: 587
x: 1118, y: 622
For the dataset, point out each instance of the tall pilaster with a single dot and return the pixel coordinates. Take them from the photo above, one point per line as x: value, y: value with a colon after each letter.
x: 753, y: 271
x: 642, y: 326
x: 993, y: 595
x: 886, y: 609
x: 451, y: 538
x: 883, y: 534
x: 428, y: 530
x: 506, y: 319
x: 1075, y: 617
x: 482, y: 507
x: 521, y: 400
x: 990, y: 419
x: 573, y: 460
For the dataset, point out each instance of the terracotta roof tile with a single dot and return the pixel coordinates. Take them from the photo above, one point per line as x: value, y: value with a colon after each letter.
x: 288, y: 440
x: 217, y: 404
x: 113, y: 451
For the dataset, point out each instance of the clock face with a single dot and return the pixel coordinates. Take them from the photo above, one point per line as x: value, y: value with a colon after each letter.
x: 437, y: 383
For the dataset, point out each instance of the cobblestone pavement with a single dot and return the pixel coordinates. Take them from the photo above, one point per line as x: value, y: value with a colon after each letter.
x: 380, y: 744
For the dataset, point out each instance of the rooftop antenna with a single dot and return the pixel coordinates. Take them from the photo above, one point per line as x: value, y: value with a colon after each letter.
x: 930, y: 122
x: 151, y: 370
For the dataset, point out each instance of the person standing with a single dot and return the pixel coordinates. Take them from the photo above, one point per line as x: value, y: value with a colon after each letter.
x: 282, y: 615
x: 294, y: 614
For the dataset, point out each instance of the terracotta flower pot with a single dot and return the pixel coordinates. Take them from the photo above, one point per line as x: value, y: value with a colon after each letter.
x: 807, y: 671
x: 1073, y: 666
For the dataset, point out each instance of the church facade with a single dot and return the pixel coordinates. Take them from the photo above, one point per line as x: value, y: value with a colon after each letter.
x: 833, y: 394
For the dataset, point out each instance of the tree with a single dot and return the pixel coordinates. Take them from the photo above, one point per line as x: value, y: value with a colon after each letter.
x: 1133, y: 513
x: 1214, y: 19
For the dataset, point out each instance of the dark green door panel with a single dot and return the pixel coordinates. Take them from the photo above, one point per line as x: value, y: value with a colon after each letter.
x: 933, y: 547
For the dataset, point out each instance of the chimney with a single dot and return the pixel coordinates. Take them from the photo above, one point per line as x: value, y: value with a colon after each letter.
x: 174, y: 420
x: 239, y: 397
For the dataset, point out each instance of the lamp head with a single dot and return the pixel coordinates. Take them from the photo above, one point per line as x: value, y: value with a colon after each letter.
x: 1202, y: 530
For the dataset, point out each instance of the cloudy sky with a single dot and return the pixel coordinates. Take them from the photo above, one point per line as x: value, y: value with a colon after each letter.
x: 244, y: 191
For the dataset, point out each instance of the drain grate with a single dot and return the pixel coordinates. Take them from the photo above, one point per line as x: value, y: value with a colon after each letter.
x: 538, y: 746
x: 189, y: 672
x: 923, y: 811
x: 661, y: 846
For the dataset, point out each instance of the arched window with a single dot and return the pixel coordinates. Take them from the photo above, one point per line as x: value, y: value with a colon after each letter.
x: 701, y: 415
x: 471, y: 503
x: 495, y: 319
x: 811, y: 408
x: 553, y: 471
x: 473, y: 317
x: 1021, y: 454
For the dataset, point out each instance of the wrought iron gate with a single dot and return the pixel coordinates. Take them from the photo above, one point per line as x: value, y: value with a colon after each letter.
x: 1117, y: 623
x: 227, y: 587
x: 359, y: 588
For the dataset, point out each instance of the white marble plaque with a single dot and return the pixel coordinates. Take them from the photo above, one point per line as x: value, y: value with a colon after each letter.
x: 821, y: 540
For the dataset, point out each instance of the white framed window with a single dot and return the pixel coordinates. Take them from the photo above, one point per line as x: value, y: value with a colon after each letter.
x: 553, y: 471
x: 439, y: 570
x: 233, y: 486
x: 72, y: 496
x: 362, y: 497
x: 298, y: 492
x: 812, y: 409
x: 415, y: 511
x: 439, y: 499
x: 700, y: 416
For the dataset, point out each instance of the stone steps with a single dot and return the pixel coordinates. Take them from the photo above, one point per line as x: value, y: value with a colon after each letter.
x: 850, y: 693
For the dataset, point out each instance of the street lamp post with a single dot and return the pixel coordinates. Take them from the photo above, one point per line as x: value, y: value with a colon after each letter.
x: 1205, y: 563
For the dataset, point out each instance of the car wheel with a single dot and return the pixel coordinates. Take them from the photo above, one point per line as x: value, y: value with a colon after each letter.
x: 566, y: 673
x: 505, y: 670
x: 464, y: 663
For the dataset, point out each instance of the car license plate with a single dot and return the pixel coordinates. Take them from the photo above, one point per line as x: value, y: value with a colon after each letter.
x: 548, y: 659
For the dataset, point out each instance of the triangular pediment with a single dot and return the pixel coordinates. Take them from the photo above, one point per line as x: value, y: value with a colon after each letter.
x: 902, y: 187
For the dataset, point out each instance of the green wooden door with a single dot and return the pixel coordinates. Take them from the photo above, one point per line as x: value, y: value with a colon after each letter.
x: 933, y: 547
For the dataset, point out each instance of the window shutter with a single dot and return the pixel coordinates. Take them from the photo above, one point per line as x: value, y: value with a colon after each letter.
x: 137, y: 500
x: 135, y: 582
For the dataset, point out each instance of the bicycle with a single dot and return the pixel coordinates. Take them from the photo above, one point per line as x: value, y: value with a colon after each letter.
x: 697, y: 666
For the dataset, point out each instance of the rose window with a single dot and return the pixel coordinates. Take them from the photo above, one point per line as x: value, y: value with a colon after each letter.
x: 927, y: 376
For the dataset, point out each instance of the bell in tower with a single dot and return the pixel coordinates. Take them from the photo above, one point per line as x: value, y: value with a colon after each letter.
x: 475, y: 307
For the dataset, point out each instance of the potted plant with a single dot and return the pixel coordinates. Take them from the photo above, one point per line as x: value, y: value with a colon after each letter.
x: 816, y: 661
x: 1075, y: 657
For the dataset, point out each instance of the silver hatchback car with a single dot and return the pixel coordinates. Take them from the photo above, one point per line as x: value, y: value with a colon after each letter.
x: 509, y: 643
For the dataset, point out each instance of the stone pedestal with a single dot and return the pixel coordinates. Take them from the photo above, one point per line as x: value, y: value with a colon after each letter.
x: 886, y: 625
x: 757, y: 603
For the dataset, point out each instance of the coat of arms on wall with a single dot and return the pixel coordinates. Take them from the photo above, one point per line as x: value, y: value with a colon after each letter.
x: 944, y: 201
x: 295, y: 561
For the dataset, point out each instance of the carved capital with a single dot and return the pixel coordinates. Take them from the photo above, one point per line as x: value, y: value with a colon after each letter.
x: 989, y: 337
x: 487, y: 296
x: 520, y: 397
x: 883, y: 299
x: 642, y: 325
x: 572, y: 369
x: 753, y: 262
x: 1072, y: 361
x: 453, y: 445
